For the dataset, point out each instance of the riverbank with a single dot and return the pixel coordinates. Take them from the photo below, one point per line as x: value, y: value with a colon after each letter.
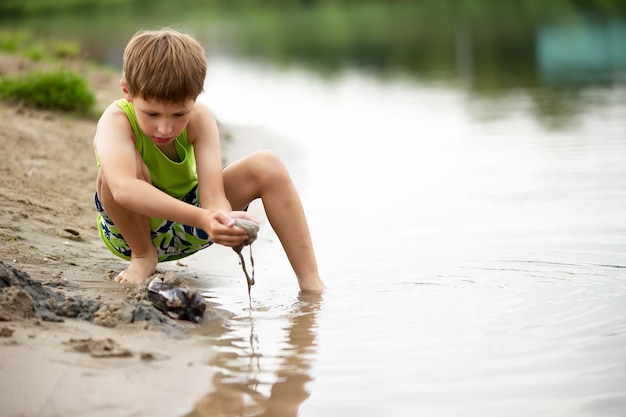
x: 110, y: 354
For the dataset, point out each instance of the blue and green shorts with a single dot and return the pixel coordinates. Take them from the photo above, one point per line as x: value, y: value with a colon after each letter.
x: 172, y: 240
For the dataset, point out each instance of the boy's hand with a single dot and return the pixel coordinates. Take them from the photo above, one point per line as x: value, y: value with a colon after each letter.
x: 222, y: 227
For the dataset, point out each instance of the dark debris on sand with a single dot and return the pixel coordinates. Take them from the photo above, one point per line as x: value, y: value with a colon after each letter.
x: 24, y: 298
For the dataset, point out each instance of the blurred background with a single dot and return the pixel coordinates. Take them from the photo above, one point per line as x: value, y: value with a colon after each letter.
x: 485, y: 47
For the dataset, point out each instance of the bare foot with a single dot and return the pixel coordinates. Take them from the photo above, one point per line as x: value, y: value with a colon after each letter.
x: 139, y: 270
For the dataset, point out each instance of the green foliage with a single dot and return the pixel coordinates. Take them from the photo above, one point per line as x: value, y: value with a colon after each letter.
x: 12, y: 41
x: 36, y: 49
x: 20, y: 8
x: 24, y: 8
x: 36, y: 52
x: 58, y: 90
x: 65, y: 49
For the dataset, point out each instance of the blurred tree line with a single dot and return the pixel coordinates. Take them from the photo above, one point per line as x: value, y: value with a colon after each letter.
x: 490, y: 45
x: 17, y: 8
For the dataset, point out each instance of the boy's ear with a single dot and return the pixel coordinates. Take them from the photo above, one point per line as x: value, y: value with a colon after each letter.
x: 125, y: 91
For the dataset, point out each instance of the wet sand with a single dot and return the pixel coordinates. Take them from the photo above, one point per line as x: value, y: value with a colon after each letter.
x: 72, y: 341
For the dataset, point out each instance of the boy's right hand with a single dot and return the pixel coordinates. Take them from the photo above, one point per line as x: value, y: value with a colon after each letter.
x: 221, y: 227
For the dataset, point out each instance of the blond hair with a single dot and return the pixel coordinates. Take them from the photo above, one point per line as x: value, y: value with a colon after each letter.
x: 164, y: 65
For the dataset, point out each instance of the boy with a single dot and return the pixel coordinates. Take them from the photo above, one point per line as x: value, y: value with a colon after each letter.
x: 161, y: 192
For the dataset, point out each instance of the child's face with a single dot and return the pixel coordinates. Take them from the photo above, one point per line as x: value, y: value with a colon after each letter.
x: 162, y: 122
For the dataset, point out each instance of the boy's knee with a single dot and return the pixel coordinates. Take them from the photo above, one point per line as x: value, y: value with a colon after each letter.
x: 270, y: 165
x: 268, y: 156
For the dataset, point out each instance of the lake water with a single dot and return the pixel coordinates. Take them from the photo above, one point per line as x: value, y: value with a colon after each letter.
x: 474, y: 249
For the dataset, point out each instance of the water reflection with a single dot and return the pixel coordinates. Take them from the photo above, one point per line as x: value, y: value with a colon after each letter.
x: 251, y: 383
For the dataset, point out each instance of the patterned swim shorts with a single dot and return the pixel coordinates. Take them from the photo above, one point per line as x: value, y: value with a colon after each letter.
x: 171, y: 240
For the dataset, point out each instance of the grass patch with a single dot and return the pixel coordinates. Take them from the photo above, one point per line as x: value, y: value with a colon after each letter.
x: 23, y: 43
x: 35, y: 52
x: 66, y: 49
x: 58, y: 90
x: 13, y: 41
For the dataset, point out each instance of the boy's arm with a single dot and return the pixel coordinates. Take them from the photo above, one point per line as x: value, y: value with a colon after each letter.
x: 115, y: 146
x: 204, y: 136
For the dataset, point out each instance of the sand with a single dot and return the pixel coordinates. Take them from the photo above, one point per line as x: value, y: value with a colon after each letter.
x: 72, y: 341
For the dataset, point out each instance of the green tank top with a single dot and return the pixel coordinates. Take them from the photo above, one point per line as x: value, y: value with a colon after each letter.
x: 174, y: 178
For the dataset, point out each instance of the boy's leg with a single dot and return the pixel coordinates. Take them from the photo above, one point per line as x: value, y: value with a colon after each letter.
x: 263, y: 175
x: 135, y: 228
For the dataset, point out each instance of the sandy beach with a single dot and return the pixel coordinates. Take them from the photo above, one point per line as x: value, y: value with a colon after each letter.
x: 75, y: 343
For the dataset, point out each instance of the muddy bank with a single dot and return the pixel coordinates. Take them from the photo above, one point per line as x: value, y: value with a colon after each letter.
x: 23, y: 298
